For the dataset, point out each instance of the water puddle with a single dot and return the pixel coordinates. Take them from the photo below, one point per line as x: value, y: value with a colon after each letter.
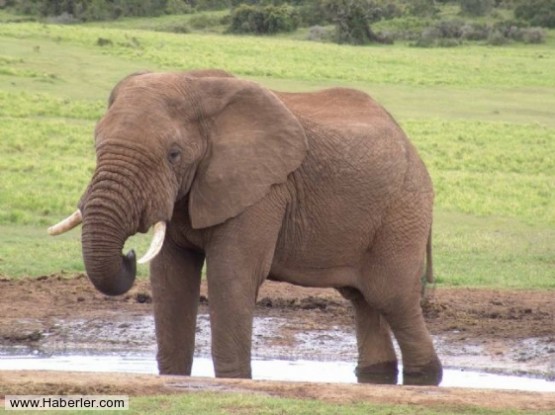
x: 287, y: 370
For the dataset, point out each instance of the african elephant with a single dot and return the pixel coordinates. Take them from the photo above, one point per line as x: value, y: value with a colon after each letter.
x: 319, y: 189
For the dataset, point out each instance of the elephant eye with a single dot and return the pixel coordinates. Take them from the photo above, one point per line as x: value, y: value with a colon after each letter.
x: 174, y: 155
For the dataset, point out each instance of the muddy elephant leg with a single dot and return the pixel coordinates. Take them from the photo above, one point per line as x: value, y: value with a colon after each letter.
x: 377, y: 362
x: 232, y: 304
x: 421, y: 366
x: 397, y: 296
x: 175, y: 278
x: 238, y: 260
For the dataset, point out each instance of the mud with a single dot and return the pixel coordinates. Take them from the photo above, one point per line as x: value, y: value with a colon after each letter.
x: 508, y: 332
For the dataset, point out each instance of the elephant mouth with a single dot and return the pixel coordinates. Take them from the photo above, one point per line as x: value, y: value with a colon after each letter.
x: 76, y: 218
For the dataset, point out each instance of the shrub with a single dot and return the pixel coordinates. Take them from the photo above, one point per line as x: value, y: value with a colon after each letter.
x: 64, y: 18
x: 263, y: 20
x: 475, y: 7
x: 533, y: 35
x: 313, y: 13
x: 423, y: 8
x: 178, y: 7
x: 318, y: 34
x: 211, y: 4
x: 179, y: 27
x: 474, y: 31
x: 450, y: 28
x: 202, y: 21
x: 497, y: 38
x: 537, y: 12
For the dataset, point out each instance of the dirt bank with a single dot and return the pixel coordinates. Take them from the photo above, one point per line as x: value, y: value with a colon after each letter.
x: 501, y: 331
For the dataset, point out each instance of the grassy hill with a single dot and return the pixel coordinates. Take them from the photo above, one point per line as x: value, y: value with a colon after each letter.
x: 483, y: 119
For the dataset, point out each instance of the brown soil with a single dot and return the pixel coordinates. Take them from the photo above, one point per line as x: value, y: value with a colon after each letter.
x: 514, y: 331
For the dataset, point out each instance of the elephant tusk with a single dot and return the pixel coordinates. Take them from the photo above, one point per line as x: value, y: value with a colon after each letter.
x: 156, y: 244
x: 67, y: 224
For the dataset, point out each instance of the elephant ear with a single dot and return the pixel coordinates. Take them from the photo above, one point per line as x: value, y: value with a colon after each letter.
x: 254, y: 142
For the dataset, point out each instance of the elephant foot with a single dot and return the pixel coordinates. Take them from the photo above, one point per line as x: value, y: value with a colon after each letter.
x: 430, y: 374
x: 385, y: 373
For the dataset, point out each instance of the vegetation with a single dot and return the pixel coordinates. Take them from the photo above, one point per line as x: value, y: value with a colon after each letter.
x: 224, y: 403
x: 263, y: 19
x: 481, y: 118
x: 351, y: 21
x: 537, y: 12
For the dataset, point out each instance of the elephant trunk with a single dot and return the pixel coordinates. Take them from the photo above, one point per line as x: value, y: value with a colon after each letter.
x: 120, y: 201
x: 111, y: 214
x: 102, y: 242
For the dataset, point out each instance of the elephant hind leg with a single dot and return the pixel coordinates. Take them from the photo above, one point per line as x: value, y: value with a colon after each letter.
x: 391, y: 284
x: 394, y: 289
x: 377, y: 362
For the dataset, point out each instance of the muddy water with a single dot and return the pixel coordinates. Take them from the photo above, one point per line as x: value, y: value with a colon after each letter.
x: 283, y: 349
x: 288, y: 370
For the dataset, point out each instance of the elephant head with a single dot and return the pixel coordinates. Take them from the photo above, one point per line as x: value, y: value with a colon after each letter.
x: 218, y: 141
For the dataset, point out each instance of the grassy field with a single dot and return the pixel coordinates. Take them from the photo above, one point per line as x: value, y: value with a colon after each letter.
x: 201, y: 403
x: 483, y: 119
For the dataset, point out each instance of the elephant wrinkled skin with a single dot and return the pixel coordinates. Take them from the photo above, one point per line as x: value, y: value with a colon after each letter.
x: 316, y: 189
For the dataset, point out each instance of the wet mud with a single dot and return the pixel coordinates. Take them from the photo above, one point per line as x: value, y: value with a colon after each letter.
x: 505, y: 332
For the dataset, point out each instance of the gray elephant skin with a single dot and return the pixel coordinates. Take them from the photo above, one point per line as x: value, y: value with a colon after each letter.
x: 319, y: 189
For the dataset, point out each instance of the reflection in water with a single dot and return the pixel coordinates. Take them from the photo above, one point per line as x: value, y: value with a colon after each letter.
x: 289, y: 370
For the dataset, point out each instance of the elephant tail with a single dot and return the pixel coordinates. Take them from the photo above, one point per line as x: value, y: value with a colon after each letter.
x: 429, y: 275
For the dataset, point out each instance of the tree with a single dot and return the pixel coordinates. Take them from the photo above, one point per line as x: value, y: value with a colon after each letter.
x: 537, y: 12
x: 263, y: 19
x: 352, y: 20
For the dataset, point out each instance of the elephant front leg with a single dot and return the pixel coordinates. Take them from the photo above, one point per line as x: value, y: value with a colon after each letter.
x: 231, y: 317
x: 377, y: 362
x: 175, y: 278
x: 238, y: 259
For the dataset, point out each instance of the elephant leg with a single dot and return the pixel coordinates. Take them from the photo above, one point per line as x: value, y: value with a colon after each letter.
x: 175, y: 276
x: 394, y: 289
x: 238, y: 259
x: 392, y: 285
x: 377, y: 362
x: 421, y: 366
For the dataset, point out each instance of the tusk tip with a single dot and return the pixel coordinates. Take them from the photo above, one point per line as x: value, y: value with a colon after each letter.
x: 52, y: 231
x: 156, y: 244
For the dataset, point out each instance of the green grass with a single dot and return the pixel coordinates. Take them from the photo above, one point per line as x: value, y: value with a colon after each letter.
x: 465, y: 67
x: 226, y: 403
x: 483, y: 119
x: 220, y: 403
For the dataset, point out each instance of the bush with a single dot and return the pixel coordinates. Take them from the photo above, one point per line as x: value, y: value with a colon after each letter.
x: 313, y: 13
x: 178, y: 7
x: 84, y: 10
x: 203, y: 20
x: 448, y: 33
x: 475, y: 31
x: 497, y: 38
x: 203, y: 5
x: 318, y: 34
x: 534, y: 35
x: 475, y: 7
x: 64, y: 18
x: 263, y: 20
x: 537, y: 12
x: 450, y: 28
x: 423, y: 8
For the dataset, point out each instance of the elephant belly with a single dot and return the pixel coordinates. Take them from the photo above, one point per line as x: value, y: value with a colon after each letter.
x: 314, y: 277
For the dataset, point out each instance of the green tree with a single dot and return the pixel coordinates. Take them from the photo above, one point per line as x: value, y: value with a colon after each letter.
x: 537, y: 12
x: 263, y: 19
x: 352, y: 20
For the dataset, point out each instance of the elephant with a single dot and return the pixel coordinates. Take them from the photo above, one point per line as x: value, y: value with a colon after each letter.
x: 318, y: 189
